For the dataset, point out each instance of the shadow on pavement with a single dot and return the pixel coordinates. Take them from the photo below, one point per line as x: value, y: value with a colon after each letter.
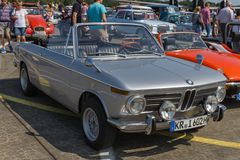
x: 64, y: 132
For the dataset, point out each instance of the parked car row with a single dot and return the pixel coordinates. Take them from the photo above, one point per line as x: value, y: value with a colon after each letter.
x: 145, y: 17
x: 117, y: 77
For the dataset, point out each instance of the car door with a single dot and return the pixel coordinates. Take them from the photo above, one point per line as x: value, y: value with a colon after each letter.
x: 54, y: 67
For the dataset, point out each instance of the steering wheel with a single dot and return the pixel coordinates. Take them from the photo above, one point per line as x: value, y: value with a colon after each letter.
x: 130, y: 47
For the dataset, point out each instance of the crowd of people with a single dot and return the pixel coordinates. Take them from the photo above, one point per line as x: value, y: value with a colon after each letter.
x: 202, y: 19
x: 13, y: 18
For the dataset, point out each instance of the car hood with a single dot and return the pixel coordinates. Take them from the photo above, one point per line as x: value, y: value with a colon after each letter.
x: 156, y: 73
x: 36, y: 20
x: 229, y: 63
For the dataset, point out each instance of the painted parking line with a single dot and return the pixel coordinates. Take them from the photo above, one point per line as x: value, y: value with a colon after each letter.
x: 27, y: 103
x: 175, y: 136
x: 204, y: 140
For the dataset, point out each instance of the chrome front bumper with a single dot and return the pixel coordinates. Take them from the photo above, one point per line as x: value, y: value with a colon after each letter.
x: 150, y: 125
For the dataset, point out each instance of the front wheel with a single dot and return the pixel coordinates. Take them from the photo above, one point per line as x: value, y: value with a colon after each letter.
x: 97, y: 131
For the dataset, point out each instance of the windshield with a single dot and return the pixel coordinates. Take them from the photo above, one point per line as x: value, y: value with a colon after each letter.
x: 173, y: 9
x: 144, y: 16
x: 185, y: 19
x: 179, y: 41
x: 117, y: 40
x: 179, y: 19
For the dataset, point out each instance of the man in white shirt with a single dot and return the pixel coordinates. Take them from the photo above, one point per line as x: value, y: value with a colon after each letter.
x: 20, y: 17
x: 225, y: 16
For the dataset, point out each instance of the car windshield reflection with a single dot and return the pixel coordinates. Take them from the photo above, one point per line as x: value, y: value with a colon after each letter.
x: 180, y: 41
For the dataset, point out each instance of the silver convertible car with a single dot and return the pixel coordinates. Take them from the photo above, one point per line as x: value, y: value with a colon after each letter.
x: 116, y: 76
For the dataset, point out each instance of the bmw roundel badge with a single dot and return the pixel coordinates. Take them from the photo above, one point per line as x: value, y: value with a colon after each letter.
x: 189, y: 82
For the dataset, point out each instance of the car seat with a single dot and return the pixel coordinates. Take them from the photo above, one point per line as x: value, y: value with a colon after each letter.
x: 236, y: 43
x: 169, y: 43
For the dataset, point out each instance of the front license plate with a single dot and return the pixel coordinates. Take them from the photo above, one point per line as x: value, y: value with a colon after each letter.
x: 185, y: 124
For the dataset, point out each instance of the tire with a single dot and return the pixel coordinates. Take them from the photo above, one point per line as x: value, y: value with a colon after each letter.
x: 26, y: 86
x: 105, y: 134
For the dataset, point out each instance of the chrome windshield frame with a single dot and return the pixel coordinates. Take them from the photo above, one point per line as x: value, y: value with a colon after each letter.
x: 75, y: 35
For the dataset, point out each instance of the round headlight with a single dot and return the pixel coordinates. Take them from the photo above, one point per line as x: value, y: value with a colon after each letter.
x: 136, y: 104
x: 211, y: 104
x: 167, y: 110
x: 220, y: 93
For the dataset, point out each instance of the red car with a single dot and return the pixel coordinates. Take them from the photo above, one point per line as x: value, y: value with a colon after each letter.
x: 38, y: 27
x: 191, y: 47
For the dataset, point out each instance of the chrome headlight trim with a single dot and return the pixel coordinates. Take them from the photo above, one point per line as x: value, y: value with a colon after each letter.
x: 220, y: 93
x: 211, y: 104
x: 133, y: 101
x: 167, y: 110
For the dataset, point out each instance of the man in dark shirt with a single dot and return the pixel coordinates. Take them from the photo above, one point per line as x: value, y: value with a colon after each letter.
x: 76, y: 12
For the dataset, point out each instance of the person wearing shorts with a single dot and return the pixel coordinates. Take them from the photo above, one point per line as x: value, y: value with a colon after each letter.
x: 21, y: 22
x: 5, y: 23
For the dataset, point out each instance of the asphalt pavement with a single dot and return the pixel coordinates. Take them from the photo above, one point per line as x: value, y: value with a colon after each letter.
x: 40, y: 128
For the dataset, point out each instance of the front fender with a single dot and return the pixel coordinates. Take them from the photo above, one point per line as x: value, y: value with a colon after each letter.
x: 98, y: 95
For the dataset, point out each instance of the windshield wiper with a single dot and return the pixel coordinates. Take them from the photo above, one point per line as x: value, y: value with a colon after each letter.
x: 122, y: 52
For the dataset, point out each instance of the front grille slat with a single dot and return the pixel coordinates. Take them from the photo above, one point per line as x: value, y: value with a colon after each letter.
x: 191, y: 99
x: 185, y: 99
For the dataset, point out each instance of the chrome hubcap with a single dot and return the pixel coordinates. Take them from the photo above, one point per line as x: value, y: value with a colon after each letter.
x: 90, y: 124
x: 24, y: 79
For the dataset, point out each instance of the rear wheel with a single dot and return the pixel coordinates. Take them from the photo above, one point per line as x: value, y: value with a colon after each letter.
x: 27, y: 88
x: 97, y: 131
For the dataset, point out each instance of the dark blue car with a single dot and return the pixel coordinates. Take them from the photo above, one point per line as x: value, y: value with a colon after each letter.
x: 165, y: 10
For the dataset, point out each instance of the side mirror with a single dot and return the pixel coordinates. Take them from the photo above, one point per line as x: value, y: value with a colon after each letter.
x: 200, y: 59
x: 89, y: 63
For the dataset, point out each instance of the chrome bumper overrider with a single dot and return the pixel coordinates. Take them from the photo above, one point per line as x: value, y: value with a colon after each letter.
x: 150, y: 125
